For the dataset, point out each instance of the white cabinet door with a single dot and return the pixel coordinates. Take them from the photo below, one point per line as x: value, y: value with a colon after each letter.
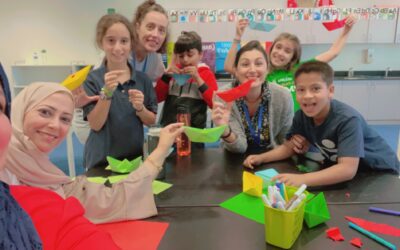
x: 338, y: 92
x: 381, y: 31
x: 384, y: 101
x: 356, y: 94
x: 398, y: 29
x: 302, y: 29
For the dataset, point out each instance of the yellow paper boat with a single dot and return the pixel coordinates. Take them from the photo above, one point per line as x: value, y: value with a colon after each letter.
x: 76, y: 79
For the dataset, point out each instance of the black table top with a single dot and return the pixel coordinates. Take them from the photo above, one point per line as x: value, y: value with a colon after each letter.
x: 216, y: 228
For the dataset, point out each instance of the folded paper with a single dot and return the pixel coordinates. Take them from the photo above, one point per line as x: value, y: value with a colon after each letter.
x: 334, y: 234
x: 159, y: 186
x: 316, y: 211
x: 266, y: 27
x: 246, y: 205
x: 100, y: 180
x: 76, y: 79
x: 236, y: 93
x: 356, y: 242
x: 181, y: 79
x: 330, y: 26
x: 123, y: 167
x: 252, y: 184
x: 206, y: 135
x: 267, y: 175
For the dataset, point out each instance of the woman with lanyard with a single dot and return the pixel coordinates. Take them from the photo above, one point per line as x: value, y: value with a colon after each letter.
x: 260, y: 120
x: 150, y: 32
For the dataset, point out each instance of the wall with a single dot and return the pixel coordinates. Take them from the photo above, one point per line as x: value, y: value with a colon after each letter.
x: 65, y: 28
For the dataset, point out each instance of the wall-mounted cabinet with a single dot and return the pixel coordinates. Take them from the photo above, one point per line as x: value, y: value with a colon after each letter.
x: 376, y: 100
x: 24, y: 75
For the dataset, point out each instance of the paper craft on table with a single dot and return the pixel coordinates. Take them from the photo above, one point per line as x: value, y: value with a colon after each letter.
x: 375, y: 237
x: 334, y: 234
x: 235, y: 93
x: 124, y: 166
x: 316, y: 211
x: 267, y: 175
x: 252, y: 184
x: 330, y: 26
x: 76, y: 79
x: 266, y: 27
x: 135, y: 235
x: 206, y: 135
x: 375, y: 227
x: 181, y: 79
x: 356, y: 242
x: 247, y: 206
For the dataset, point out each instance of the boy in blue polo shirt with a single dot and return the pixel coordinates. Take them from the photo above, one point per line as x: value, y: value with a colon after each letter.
x: 343, y: 140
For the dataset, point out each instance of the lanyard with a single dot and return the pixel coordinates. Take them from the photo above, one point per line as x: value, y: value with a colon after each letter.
x: 144, y: 64
x: 251, y: 128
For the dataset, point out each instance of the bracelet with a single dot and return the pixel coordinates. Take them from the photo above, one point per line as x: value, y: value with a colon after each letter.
x: 229, y: 133
x: 107, y: 92
x: 236, y: 40
x: 158, y: 167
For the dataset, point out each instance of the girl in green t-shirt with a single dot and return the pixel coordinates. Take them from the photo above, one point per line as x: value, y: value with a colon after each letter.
x: 285, y: 53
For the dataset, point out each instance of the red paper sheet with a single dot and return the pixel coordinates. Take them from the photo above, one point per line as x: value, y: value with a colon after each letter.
x: 375, y: 227
x: 235, y: 93
x: 356, y: 242
x: 138, y: 234
x: 334, y: 234
x: 334, y: 25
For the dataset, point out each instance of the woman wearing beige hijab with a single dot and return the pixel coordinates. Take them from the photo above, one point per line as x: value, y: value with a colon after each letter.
x: 41, y: 117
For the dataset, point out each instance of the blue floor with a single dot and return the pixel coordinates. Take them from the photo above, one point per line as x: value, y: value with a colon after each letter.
x: 59, y: 156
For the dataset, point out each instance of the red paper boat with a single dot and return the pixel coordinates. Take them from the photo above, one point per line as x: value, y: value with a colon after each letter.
x: 235, y: 93
x: 334, y: 25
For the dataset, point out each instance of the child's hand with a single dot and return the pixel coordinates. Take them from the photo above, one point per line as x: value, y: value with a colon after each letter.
x: 220, y: 114
x: 252, y: 160
x: 111, y: 79
x: 350, y: 21
x: 81, y: 98
x: 240, y: 27
x: 192, y: 70
x: 168, y: 135
x: 294, y: 180
x: 172, y: 68
x: 136, y: 97
x: 300, y: 144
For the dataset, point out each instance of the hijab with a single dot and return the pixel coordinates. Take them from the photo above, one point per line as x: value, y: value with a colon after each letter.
x: 24, y: 160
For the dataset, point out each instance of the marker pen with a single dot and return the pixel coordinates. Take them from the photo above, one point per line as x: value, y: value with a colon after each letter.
x: 296, y: 195
x: 265, y: 200
x: 297, y: 202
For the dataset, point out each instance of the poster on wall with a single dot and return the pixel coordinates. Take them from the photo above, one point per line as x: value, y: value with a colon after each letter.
x: 221, y: 51
x: 209, y: 54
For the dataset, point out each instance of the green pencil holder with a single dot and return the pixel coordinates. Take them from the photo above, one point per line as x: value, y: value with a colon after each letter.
x: 283, y: 227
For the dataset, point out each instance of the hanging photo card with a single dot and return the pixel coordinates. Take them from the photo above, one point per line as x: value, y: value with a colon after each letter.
x: 193, y: 15
x: 316, y: 15
x: 307, y: 14
x: 232, y: 15
x: 260, y: 15
x: 173, y: 16
x: 222, y: 15
x: 270, y: 15
x: 279, y: 14
x: 212, y: 16
x: 183, y: 16
x: 251, y: 15
x: 365, y: 13
x: 335, y: 14
x: 241, y: 14
x: 209, y: 54
x: 392, y: 13
x: 203, y: 16
x: 299, y: 16
x: 221, y: 51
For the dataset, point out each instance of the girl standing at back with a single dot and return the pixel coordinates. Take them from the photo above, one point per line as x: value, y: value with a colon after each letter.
x: 127, y: 98
x: 285, y: 53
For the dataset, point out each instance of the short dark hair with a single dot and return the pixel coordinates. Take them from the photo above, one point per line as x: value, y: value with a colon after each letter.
x: 252, y: 45
x: 186, y: 41
x: 322, y: 68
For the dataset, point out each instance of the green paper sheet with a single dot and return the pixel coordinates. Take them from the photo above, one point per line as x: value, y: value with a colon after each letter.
x: 116, y: 178
x: 245, y: 205
x: 100, y: 180
x: 123, y: 167
x: 159, y: 186
x: 206, y: 135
